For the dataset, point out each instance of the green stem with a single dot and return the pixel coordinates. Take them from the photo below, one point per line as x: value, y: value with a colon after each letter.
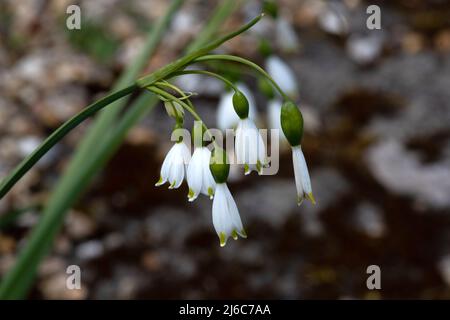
x: 169, y: 96
x: 57, y: 135
x: 207, y: 73
x: 171, y: 86
x: 245, y: 62
x: 196, y: 116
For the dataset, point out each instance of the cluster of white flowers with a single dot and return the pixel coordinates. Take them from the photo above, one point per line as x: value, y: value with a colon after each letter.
x: 205, y: 175
x: 207, y: 171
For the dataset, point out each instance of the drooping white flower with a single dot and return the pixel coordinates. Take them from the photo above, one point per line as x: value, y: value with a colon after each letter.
x: 302, y: 180
x: 249, y: 146
x: 226, y: 116
x: 273, y: 116
x: 225, y: 215
x: 174, y: 165
x: 286, y: 36
x: 198, y: 176
x: 283, y: 75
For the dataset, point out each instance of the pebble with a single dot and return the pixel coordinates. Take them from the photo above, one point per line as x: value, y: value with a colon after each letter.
x: 89, y: 250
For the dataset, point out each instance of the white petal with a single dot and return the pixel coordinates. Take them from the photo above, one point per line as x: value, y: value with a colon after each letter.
x: 262, y: 154
x: 234, y: 214
x: 226, y: 116
x: 209, y: 185
x: 306, y: 181
x: 249, y: 146
x: 297, y: 173
x: 221, y: 218
x: 302, y: 179
x: 176, y: 172
x: 165, y: 168
x: 283, y: 75
x: 179, y: 160
x: 185, y: 153
x: 239, y: 143
x: 194, y: 174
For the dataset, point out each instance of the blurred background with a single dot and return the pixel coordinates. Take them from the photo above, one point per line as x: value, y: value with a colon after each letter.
x: 377, y: 112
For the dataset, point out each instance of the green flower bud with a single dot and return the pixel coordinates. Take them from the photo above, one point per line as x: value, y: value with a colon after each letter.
x: 240, y: 104
x: 292, y: 123
x: 266, y: 88
x: 173, y: 109
x: 271, y: 8
x: 219, y: 166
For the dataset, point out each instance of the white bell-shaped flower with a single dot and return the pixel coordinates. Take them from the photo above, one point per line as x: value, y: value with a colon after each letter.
x: 226, y: 116
x: 283, y: 75
x: 225, y: 214
x: 249, y: 146
x: 302, y: 180
x: 198, y: 176
x: 174, y: 165
x: 273, y: 117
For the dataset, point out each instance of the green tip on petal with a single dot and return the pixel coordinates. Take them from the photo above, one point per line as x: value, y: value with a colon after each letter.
x: 311, y: 198
x: 210, y: 193
x: 258, y: 167
x: 160, y: 182
x: 299, y: 200
x: 246, y: 169
x: 172, y: 185
x: 223, y: 239
x: 191, y: 195
x: 234, y: 234
x: 243, y: 233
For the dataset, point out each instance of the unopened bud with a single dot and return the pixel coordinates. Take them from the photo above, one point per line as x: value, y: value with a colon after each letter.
x: 292, y: 123
x: 219, y: 166
x: 240, y: 104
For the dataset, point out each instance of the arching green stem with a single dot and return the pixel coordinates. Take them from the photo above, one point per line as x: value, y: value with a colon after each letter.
x: 207, y: 73
x: 245, y: 62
